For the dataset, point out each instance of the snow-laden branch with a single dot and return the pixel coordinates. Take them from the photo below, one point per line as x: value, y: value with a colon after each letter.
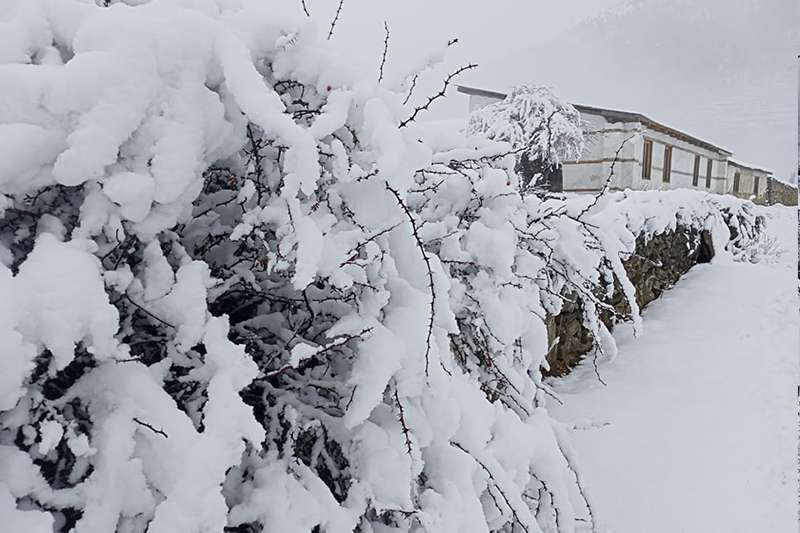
x: 333, y: 313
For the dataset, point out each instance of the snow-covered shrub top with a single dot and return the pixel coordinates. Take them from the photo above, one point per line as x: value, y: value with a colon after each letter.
x: 534, y: 121
x: 237, y: 293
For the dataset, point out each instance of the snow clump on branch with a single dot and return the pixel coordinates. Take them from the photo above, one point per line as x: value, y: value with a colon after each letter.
x: 238, y: 295
x: 542, y: 129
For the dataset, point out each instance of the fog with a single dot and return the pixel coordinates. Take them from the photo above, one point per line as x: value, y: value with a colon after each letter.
x: 723, y: 70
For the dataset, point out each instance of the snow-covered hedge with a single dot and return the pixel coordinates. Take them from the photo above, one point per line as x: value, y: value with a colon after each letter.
x: 240, y: 289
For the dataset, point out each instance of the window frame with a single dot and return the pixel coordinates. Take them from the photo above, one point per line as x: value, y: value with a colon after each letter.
x: 737, y: 181
x: 696, y: 171
x: 666, y: 168
x: 647, y: 159
x: 709, y: 172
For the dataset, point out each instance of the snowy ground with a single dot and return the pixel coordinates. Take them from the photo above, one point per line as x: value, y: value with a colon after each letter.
x: 696, y: 430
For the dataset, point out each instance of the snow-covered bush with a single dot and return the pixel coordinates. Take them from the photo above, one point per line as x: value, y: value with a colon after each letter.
x: 746, y: 223
x: 240, y: 289
x: 542, y: 129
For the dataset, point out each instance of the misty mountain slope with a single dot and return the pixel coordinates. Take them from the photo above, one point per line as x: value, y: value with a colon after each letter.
x: 725, y: 71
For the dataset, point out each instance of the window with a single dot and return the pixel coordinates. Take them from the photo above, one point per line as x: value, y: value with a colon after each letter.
x: 709, y: 166
x: 755, y: 184
x: 667, y: 167
x: 647, y: 159
x: 736, y: 178
x: 696, y: 171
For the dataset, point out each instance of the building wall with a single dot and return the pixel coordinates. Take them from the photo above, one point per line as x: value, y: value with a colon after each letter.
x: 477, y: 102
x: 682, y: 174
x: 603, y: 139
x: 746, y: 182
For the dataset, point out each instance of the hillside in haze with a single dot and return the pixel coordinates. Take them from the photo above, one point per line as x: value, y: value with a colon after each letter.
x: 724, y: 70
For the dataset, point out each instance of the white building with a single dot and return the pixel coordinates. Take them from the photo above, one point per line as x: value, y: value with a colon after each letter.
x: 747, y: 181
x: 645, y: 155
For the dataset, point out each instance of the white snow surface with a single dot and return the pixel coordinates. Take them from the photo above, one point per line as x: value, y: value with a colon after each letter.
x: 696, y: 430
x: 232, y: 280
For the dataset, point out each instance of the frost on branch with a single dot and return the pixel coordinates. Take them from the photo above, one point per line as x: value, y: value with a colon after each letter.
x: 235, y: 282
x: 542, y: 129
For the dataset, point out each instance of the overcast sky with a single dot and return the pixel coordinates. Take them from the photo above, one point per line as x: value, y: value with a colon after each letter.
x: 487, y: 31
x: 724, y: 70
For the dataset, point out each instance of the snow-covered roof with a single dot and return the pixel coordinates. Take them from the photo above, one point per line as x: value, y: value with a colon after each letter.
x: 748, y: 166
x: 615, y: 115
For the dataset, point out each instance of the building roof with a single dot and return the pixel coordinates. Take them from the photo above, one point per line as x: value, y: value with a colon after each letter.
x: 614, y: 115
x: 748, y: 166
x: 480, y: 92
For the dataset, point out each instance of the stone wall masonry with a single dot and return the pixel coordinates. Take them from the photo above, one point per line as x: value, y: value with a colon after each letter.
x: 655, y: 267
x: 779, y: 192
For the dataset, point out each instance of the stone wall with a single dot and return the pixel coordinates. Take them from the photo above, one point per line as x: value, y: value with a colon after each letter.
x: 656, y: 266
x: 779, y: 192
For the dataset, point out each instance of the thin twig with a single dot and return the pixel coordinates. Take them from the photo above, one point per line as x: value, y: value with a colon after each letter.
x: 335, y: 19
x: 436, y: 96
x: 353, y: 254
x: 402, y: 418
x: 411, y: 89
x: 305, y: 8
x: 320, y: 351
x: 496, y: 485
x: 556, y: 515
x: 427, y: 260
x: 385, y: 51
x: 352, y: 396
x: 598, y: 351
x: 450, y: 43
x: 150, y: 314
x: 610, y: 177
x: 151, y: 428
x: 581, y: 489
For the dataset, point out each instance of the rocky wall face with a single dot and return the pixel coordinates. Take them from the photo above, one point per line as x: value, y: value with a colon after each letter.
x: 777, y: 192
x: 655, y: 267
x: 781, y: 193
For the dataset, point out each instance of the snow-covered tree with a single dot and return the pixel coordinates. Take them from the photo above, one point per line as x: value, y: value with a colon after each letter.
x: 542, y: 129
x: 244, y: 290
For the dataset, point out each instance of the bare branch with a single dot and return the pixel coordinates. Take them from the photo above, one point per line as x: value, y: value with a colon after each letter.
x: 145, y: 311
x: 436, y: 96
x: 402, y: 418
x: 411, y: 89
x: 581, y: 489
x: 427, y: 260
x: 496, y: 485
x: 596, y: 368
x: 305, y: 8
x: 352, y: 396
x: 385, y: 51
x: 354, y: 253
x: 151, y: 428
x: 556, y: 514
x: 450, y: 43
x: 320, y: 351
x: 335, y: 18
x: 609, y: 178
